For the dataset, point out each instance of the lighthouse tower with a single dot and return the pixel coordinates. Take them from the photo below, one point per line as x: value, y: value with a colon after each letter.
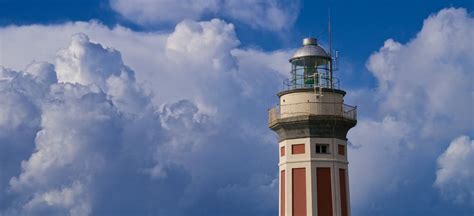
x: 312, y: 122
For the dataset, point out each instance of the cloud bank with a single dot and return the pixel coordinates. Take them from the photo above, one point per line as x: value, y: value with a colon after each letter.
x: 424, y: 99
x: 98, y: 130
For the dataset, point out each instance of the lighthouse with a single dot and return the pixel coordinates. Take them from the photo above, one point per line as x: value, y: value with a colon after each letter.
x: 312, y: 122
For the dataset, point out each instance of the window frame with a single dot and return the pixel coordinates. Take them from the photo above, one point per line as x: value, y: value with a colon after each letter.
x: 319, y: 146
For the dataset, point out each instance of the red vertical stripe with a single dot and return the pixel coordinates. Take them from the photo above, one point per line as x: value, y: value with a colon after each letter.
x: 343, y: 189
x: 324, y: 195
x: 282, y: 193
x: 299, y: 192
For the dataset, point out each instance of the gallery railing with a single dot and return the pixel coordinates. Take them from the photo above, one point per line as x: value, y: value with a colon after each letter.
x: 312, y: 108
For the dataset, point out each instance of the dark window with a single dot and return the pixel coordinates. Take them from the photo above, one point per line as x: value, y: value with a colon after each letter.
x: 322, y: 148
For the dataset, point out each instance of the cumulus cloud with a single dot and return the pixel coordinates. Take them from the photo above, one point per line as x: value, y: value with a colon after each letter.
x: 86, y: 63
x: 67, y: 198
x: 269, y: 15
x: 17, y: 110
x: 455, y: 175
x: 20, y: 117
x: 216, y: 36
x: 42, y: 72
x: 79, y: 129
x: 424, y: 97
x: 99, y: 129
x: 89, y: 63
x: 156, y: 61
x: 432, y: 72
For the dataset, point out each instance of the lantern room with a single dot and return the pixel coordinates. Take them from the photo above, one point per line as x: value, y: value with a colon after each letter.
x: 311, y: 67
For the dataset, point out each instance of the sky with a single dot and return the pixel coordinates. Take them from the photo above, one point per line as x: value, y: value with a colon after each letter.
x: 142, y: 107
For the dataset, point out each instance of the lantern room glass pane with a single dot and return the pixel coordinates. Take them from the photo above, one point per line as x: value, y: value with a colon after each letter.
x: 310, y: 72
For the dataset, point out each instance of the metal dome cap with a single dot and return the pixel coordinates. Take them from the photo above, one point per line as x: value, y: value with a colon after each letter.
x: 310, y: 49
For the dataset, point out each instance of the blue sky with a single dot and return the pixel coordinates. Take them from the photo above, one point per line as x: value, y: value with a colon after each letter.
x: 160, y: 108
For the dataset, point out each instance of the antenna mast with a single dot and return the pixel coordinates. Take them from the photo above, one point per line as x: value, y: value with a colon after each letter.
x: 330, y: 47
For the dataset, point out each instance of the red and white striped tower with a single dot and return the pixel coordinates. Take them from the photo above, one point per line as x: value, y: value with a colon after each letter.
x: 312, y: 122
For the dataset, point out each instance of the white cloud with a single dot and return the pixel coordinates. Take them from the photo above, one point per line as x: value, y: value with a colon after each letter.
x: 378, y: 151
x: 19, y: 120
x: 81, y: 126
x: 190, y: 39
x: 455, y: 175
x: 151, y: 12
x: 88, y: 63
x: 42, y: 72
x: 265, y: 14
x: 261, y: 14
x: 154, y: 56
x: 66, y: 198
x: 73, y: 120
x: 424, y: 97
x: 17, y: 111
x: 96, y: 124
x: 431, y: 73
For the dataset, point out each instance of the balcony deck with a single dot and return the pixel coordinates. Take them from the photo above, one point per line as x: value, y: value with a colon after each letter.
x: 312, y: 109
